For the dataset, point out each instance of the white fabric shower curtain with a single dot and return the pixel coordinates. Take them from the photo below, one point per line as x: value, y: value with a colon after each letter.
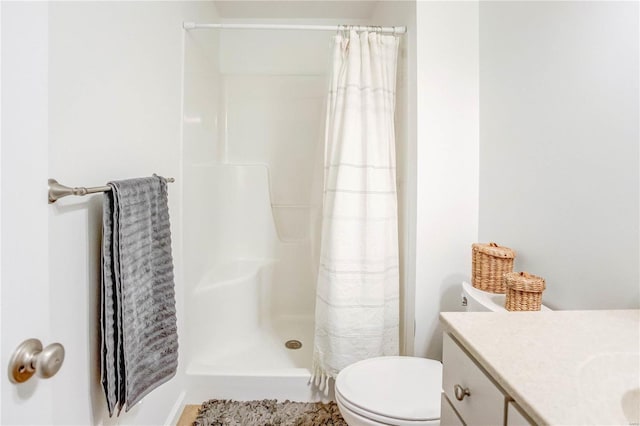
x: 357, y: 300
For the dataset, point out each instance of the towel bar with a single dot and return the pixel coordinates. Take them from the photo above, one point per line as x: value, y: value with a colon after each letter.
x: 57, y: 190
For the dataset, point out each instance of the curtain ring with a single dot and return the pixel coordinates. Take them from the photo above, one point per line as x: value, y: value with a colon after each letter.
x: 343, y: 31
x: 346, y: 36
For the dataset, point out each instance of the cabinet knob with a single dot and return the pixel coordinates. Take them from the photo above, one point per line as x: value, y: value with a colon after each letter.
x: 460, y: 392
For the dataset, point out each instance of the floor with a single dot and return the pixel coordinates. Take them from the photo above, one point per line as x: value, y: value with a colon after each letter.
x: 188, y: 415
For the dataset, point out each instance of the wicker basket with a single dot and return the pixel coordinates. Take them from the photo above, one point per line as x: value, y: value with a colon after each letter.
x: 524, y: 291
x: 490, y: 263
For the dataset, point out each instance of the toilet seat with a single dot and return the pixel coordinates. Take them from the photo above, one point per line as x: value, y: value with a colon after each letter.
x: 410, y: 395
x: 376, y: 418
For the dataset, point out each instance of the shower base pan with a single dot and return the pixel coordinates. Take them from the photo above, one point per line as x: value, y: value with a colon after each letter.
x: 259, y: 366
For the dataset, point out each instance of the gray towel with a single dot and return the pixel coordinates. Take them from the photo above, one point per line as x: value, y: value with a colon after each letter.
x: 138, y: 309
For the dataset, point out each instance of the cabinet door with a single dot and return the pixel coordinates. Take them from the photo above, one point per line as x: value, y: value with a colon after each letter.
x: 484, y: 404
x: 448, y: 416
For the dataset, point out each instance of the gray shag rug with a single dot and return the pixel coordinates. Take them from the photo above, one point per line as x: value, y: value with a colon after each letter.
x: 268, y: 412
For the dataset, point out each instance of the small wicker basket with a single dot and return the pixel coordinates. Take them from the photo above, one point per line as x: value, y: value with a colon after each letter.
x: 490, y: 263
x: 524, y: 291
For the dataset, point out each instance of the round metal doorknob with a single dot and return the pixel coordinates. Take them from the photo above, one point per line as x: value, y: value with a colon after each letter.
x: 460, y: 392
x: 30, y: 358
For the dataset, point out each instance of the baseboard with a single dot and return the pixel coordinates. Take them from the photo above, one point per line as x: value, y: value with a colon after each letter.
x: 176, y: 410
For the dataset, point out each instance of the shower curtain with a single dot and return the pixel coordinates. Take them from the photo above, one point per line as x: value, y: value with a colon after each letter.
x: 357, y: 300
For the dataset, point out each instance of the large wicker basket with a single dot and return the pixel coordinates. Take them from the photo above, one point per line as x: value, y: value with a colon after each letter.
x: 490, y: 263
x: 524, y: 291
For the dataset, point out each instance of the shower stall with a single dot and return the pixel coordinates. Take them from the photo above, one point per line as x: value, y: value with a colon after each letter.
x: 252, y: 178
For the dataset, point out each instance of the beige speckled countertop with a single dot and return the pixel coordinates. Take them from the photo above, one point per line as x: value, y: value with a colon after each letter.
x: 561, y: 367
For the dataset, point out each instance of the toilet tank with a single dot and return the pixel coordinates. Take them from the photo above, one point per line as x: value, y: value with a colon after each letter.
x: 475, y: 300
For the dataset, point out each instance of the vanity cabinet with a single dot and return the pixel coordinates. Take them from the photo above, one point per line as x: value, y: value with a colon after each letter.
x: 541, y: 367
x: 470, y: 396
x: 515, y: 416
x: 448, y: 415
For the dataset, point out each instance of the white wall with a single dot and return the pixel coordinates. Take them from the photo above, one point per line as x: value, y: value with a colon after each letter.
x: 203, y: 120
x: 202, y: 143
x: 389, y: 13
x: 559, y: 145
x: 115, y: 88
x: 447, y: 161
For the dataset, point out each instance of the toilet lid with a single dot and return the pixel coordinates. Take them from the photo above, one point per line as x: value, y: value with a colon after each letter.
x: 406, y: 388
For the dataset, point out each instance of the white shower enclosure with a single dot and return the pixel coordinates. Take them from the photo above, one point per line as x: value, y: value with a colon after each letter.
x: 252, y: 184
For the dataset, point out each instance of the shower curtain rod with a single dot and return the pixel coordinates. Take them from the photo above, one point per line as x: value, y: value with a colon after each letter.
x: 392, y: 30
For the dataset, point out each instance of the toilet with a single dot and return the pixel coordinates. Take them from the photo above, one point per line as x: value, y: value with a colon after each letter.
x: 401, y: 390
x: 390, y: 390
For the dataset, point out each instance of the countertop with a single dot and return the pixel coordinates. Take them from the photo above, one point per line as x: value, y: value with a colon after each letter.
x: 561, y: 367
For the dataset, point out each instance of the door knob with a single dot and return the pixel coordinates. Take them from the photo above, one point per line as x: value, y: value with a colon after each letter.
x: 29, y: 358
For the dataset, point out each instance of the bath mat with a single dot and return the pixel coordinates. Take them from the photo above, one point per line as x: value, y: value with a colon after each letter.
x: 268, y: 412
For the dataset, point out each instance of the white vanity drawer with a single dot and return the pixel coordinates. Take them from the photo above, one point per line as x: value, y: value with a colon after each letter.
x: 485, y: 403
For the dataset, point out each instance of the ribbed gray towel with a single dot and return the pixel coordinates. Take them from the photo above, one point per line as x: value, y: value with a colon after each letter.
x: 138, y: 312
